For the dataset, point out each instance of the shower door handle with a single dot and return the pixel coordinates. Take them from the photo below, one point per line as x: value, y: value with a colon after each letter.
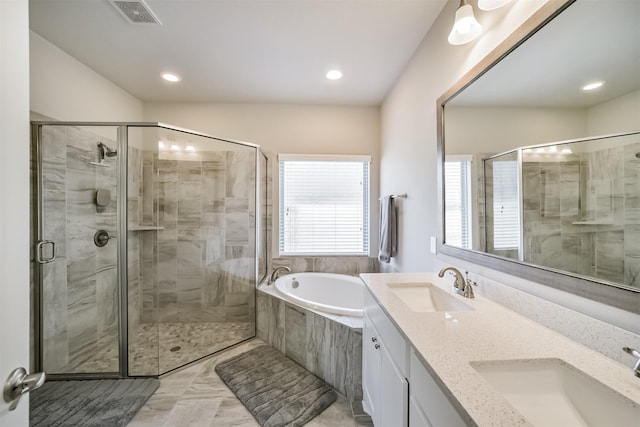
x: 39, y: 248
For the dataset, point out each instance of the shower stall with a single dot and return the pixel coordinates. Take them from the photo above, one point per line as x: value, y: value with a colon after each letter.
x: 148, y: 244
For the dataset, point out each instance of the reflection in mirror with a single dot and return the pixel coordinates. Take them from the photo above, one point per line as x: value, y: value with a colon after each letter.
x: 513, y: 188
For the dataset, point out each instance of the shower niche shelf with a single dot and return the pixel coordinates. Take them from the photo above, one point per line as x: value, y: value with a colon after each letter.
x: 145, y: 228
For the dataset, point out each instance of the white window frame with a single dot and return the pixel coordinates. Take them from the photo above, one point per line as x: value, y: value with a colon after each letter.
x: 366, y: 201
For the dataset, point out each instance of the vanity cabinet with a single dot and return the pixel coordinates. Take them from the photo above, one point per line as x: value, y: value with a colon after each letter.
x: 384, y: 361
x: 398, y: 390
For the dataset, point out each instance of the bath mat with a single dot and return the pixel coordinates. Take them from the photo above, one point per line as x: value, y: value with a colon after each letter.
x: 95, y: 403
x: 275, y: 389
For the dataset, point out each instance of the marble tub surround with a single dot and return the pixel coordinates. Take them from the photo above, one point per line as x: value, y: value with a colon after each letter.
x: 329, y: 349
x: 349, y: 321
x: 448, y: 342
x: 351, y: 265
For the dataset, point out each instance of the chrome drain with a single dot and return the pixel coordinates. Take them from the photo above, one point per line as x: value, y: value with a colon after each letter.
x: 176, y: 348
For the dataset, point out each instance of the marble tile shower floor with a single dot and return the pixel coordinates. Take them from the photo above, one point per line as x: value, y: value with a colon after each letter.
x: 166, y: 346
x: 197, y: 397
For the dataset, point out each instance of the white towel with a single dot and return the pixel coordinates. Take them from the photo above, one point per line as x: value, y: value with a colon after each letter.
x: 388, y: 230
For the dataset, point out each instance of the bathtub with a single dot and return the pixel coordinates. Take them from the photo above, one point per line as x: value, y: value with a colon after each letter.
x: 331, y: 293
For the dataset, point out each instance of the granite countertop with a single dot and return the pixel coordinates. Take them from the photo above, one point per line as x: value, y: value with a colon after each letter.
x: 490, y: 332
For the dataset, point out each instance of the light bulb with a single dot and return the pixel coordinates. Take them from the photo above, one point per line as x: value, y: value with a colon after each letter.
x: 465, y: 27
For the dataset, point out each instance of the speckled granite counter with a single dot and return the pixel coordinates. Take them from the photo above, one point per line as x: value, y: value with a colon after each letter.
x: 447, y: 343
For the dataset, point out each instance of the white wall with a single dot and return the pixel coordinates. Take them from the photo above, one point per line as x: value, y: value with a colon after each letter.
x: 14, y: 198
x: 494, y: 130
x: 293, y: 129
x: 63, y: 88
x: 619, y: 115
x: 408, y: 150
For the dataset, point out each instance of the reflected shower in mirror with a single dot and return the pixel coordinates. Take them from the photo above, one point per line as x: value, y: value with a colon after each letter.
x: 540, y: 162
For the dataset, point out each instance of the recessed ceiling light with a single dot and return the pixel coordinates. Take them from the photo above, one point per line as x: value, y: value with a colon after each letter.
x: 171, y: 77
x: 334, y: 75
x: 592, y: 86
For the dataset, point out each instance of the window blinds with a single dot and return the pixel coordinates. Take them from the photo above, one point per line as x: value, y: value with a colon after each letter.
x: 506, y: 209
x: 324, y: 205
x: 457, y: 181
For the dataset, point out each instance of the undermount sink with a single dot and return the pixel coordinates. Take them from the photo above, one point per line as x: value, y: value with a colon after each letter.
x: 550, y: 392
x: 425, y: 297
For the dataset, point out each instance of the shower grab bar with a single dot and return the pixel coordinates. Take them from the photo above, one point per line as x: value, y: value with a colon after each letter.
x: 41, y: 245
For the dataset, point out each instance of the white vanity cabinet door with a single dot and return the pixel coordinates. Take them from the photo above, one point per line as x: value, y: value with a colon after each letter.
x: 394, y: 393
x: 371, y: 366
x: 427, y: 396
x: 417, y: 418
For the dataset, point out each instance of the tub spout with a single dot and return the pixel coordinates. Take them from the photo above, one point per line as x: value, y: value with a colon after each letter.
x: 276, y: 272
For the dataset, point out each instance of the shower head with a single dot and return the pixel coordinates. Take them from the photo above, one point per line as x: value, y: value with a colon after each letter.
x: 106, y: 151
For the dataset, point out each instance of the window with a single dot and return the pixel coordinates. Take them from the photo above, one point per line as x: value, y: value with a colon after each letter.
x: 457, y: 191
x: 324, y: 204
x: 506, y: 208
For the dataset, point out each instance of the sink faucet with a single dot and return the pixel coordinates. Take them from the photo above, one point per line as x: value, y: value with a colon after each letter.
x: 276, y: 272
x: 635, y: 353
x: 461, y: 285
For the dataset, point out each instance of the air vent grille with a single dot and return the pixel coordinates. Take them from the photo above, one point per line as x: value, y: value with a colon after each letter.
x: 136, y: 12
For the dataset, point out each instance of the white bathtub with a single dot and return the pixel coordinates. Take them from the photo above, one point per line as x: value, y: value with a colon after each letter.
x: 331, y: 293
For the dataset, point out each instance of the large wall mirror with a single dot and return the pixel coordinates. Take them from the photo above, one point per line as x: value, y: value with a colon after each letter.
x: 541, y: 173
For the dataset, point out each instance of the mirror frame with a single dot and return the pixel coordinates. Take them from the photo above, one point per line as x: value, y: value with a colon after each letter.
x: 625, y: 298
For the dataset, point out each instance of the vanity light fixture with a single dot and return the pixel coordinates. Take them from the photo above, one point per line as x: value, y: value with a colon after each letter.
x: 466, y: 27
x: 334, y: 75
x: 492, y: 4
x: 592, y: 86
x: 171, y: 77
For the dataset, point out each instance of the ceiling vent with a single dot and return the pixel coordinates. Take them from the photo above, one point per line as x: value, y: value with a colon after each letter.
x: 136, y: 12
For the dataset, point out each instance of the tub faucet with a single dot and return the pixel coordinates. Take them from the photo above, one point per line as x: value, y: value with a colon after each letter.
x: 276, y: 272
x: 635, y: 353
x: 461, y: 286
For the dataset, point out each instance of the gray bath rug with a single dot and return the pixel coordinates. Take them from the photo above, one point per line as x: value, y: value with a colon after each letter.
x: 275, y: 389
x: 94, y: 403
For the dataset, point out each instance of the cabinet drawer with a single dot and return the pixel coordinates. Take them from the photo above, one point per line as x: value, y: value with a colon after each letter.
x: 394, y: 342
x: 430, y: 399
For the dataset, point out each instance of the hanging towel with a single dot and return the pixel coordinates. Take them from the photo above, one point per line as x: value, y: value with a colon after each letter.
x: 388, y: 230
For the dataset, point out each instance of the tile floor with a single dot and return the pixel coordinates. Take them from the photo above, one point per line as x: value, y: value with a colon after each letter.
x: 197, y: 397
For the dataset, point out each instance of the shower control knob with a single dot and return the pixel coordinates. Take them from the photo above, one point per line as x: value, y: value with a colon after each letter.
x: 101, y: 238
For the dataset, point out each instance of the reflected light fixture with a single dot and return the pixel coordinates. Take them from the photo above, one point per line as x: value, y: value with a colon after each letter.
x: 466, y: 27
x: 190, y: 148
x: 175, y: 147
x: 592, y: 86
x: 566, y: 151
x: 492, y: 4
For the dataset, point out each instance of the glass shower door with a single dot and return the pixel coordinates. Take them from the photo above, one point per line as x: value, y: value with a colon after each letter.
x: 192, y: 247
x: 76, y: 250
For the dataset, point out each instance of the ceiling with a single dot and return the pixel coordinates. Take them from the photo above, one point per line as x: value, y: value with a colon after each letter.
x: 590, y: 40
x: 254, y: 51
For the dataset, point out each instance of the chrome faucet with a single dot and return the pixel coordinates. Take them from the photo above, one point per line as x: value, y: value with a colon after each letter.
x: 461, y: 286
x: 635, y: 353
x: 276, y: 272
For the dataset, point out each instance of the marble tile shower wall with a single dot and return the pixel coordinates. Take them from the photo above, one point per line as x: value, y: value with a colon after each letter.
x: 80, y: 286
x: 583, y: 215
x: 199, y: 267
